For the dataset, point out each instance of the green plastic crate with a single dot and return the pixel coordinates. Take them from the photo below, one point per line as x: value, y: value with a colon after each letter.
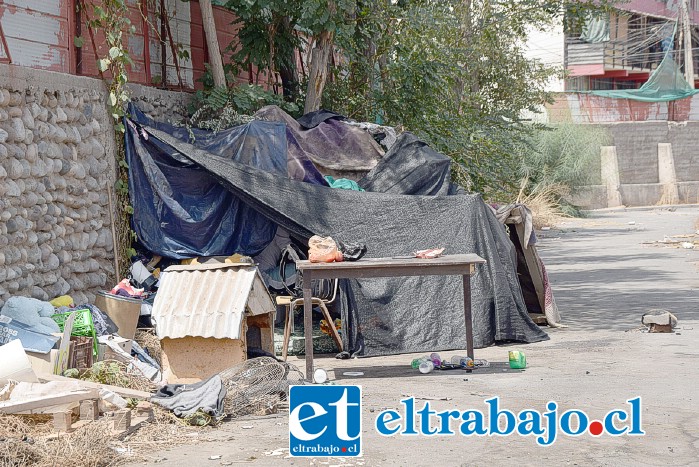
x: 82, y: 324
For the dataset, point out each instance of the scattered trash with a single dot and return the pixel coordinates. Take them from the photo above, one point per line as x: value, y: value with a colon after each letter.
x: 546, y: 228
x: 353, y: 373
x: 213, y: 458
x: 659, y: 321
x: 320, y: 376
x: 427, y: 364
x: 276, y: 452
x: 518, y: 360
x: 247, y: 427
x: 429, y: 253
x: 427, y: 398
x: 687, y: 241
x: 631, y: 222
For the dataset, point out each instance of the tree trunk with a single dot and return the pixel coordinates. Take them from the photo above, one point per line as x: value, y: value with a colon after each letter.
x: 215, y: 61
x: 318, y: 71
x: 287, y: 66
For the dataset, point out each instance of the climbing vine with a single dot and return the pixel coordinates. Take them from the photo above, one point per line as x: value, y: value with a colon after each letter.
x: 110, y: 18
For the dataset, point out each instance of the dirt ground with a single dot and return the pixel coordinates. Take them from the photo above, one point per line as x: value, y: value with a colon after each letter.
x: 604, y: 278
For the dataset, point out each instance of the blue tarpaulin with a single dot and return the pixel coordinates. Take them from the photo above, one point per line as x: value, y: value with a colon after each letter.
x: 180, y: 209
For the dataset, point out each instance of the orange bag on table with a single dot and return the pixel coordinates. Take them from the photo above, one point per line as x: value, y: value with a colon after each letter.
x: 323, y: 250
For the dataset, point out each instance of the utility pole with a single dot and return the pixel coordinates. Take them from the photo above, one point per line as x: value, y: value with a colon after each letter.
x: 687, y: 36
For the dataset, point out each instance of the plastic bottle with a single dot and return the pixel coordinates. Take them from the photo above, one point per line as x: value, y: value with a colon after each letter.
x: 463, y: 362
x: 426, y: 367
x: 517, y: 359
x: 415, y: 364
x: 434, y: 356
x: 481, y: 363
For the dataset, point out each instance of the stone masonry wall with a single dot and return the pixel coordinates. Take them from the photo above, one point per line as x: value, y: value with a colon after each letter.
x: 56, y: 153
x: 56, y: 161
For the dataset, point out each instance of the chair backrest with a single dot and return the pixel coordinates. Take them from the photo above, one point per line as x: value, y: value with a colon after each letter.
x: 324, y: 289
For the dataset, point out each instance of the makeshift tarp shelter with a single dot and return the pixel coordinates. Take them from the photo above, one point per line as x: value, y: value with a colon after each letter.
x: 391, y: 315
x: 533, y: 278
x: 181, y: 209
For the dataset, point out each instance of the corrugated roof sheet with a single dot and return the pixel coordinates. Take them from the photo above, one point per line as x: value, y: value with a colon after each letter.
x: 208, y: 300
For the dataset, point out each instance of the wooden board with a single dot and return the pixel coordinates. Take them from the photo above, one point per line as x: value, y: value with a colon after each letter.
x: 10, y: 407
x: 124, y: 392
x: 463, y: 264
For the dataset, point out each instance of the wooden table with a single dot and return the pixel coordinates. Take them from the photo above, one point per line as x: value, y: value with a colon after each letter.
x: 463, y: 265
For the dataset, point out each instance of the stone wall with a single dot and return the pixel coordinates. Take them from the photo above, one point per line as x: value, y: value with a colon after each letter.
x: 56, y: 164
x: 163, y: 106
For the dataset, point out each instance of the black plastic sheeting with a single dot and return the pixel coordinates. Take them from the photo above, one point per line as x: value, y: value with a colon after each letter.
x: 182, y: 211
x: 411, y: 167
x: 313, y: 119
x: 390, y: 315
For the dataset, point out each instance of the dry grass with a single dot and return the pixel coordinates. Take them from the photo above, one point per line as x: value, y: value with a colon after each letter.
x: 164, y: 430
x: 30, y: 444
x: 30, y: 440
x: 27, y: 440
x: 668, y: 196
x: 150, y: 342
x: 543, y: 201
x: 115, y: 373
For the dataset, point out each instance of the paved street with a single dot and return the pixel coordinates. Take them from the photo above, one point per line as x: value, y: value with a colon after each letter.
x: 603, y: 278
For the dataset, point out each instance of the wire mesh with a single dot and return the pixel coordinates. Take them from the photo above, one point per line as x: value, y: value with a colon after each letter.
x: 258, y: 386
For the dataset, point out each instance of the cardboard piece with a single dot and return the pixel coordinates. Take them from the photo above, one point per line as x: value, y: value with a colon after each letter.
x: 45, y: 363
x: 11, y: 329
x: 115, y: 351
x: 15, y: 364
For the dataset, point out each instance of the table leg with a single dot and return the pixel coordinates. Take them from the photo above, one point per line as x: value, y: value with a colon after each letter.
x: 308, y: 325
x: 467, y: 315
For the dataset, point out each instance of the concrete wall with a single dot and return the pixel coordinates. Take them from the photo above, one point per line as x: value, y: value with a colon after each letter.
x: 648, y: 163
x: 56, y: 162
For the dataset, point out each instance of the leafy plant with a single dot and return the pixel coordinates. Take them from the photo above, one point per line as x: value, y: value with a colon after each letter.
x: 565, y: 154
x: 111, y: 18
x: 556, y: 160
x: 220, y: 108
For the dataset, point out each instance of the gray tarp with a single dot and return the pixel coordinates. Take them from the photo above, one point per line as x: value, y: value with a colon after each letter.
x: 394, y: 315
